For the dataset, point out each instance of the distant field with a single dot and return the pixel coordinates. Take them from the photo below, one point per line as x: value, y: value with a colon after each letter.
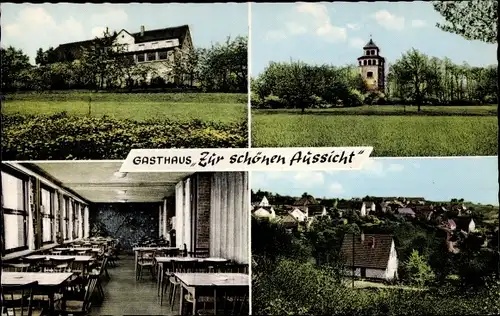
x: 213, y: 107
x: 364, y: 284
x: 392, y: 110
x: 390, y: 135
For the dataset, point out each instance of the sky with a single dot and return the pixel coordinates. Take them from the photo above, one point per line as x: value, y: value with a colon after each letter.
x: 436, y: 179
x: 334, y: 33
x: 33, y: 26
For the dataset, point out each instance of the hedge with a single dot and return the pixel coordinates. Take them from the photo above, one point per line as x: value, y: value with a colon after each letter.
x: 62, y: 137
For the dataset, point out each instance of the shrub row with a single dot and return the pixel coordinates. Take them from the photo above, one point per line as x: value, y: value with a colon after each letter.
x: 301, y: 288
x: 128, y: 97
x: 27, y: 137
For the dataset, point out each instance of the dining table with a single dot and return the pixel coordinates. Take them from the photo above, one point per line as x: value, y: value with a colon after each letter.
x: 194, y: 283
x: 139, y: 249
x: 48, y: 282
x: 162, y: 260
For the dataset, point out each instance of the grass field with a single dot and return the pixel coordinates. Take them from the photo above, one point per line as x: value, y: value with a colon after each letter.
x: 391, y: 135
x: 214, y: 107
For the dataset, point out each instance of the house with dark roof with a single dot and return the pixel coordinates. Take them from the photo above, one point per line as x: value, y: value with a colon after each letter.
x: 406, y: 211
x: 465, y: 224
x: 154, y: 48
x: 289, y: 222
x: 370, y: 256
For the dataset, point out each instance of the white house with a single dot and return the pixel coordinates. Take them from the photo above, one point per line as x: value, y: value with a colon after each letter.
x: 154, y: 48
x: 262, y: 212
x: 366, y: 208
x: 264, y: 202
x: 298, y: 215
x: 370, y: 256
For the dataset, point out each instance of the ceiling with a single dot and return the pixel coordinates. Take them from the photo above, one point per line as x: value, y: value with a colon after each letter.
x: 101, y: 181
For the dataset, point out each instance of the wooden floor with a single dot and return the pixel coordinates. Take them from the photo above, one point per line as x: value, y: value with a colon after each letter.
x: 126, y: 296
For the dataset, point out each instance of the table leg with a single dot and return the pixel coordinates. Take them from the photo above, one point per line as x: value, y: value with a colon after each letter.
x: 194, y: 301
x: 135, y: 265
x: 51, y: 301
x: 181, y: 299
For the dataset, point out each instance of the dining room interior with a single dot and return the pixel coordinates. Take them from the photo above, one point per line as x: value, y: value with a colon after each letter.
x: 81, y: 237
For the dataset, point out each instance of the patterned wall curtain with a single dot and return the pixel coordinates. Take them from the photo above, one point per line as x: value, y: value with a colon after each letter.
x: 179, y: 207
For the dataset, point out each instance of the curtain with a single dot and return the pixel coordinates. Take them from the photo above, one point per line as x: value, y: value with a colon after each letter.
x: 86, y: 227
x: 179, y: 222
x: 229, y: 216
x: 187, y: 214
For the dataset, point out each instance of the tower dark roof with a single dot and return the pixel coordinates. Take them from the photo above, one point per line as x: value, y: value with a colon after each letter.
x: 370, y: 44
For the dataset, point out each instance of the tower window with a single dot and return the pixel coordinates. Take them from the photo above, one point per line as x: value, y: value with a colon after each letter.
x: 368, y: 52
x: 360, y: 63
x: 369, y: 62
x: 369, y: 74
x: 373, y: 52
x: 375, y: 62
x: 364, y: 62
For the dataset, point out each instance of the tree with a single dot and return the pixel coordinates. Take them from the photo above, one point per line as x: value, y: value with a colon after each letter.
x: 414, y: 76
x: 15, y: 67
x: 417, y: 269
x: 473, y: 19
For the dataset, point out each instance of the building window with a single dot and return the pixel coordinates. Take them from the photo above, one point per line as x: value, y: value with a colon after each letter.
x: 151, y: 56
x: 141, y: 46
x: 369, y: 74
x: 15, y: 213
x: 375, y: 62
x: 373, y: 52
x: 364, y: 62
x: 369, y: 62
x: 155, y: 45
x: 368, y: 53
x: 76, y: 221
x: 162, y: 55
x: 47, y: 214
x: 140, y: 58
x: 65, y: 228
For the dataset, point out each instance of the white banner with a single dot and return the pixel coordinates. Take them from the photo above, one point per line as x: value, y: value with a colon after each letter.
x: 252, y: 159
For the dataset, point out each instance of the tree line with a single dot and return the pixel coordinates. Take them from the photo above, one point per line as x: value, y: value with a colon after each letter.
x: 414, y: 79
x: 104, y: 66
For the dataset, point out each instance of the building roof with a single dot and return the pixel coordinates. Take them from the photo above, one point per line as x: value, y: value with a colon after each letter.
x: 306, y: 201
x: 366, y: 253
x: 370, y: 44
x: 405, y: 211
x: 289, y: 221
x: 180, y: 32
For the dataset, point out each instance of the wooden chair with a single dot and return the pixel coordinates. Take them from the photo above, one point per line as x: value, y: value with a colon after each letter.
x: 18, y: 299
x: 76, y: 304
x: 228, y: 301
x: 181, y: 266
x: 15, y: 267
x: 61, y: 264
x: 145, y: 261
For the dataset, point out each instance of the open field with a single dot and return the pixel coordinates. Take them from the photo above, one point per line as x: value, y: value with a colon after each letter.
x: 365, y: 284
x: 473, y: 110
x: 390, y: 135
x: 182, y: 107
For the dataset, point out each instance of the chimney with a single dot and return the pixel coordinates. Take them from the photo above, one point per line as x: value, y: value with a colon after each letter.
x: 142, y: 30
x: 107, y: 30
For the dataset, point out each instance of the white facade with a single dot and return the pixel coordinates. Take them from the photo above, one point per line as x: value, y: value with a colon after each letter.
x: 298, y: 215
x: 264, y: 202
x: 128, y: 42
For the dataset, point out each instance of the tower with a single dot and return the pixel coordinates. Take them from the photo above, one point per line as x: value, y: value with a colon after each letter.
x: 372, y: 67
